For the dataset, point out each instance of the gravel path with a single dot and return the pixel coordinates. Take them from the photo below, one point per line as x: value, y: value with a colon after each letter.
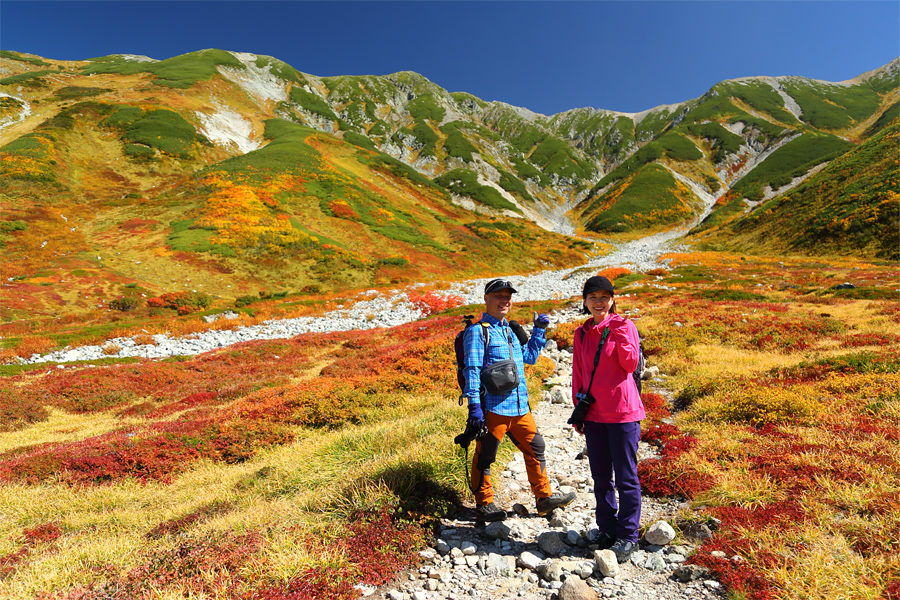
x: 529, y: 557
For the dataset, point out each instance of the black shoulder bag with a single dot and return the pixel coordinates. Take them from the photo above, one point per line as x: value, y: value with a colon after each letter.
x: 502, y: 376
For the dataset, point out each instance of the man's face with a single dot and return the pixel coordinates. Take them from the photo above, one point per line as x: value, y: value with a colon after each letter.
x: 498, y: 303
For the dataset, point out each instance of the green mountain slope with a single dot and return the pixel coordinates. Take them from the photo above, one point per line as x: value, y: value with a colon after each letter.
x: 850, y: 207
x: 248, y: 172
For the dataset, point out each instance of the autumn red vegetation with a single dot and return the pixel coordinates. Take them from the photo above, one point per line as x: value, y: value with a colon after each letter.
x: 815, y: 432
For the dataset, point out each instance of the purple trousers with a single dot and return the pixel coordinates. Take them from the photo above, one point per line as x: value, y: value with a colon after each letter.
x: 612, y: 452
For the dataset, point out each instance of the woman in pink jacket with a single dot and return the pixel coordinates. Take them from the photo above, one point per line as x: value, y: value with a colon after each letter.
x: 608, y: 412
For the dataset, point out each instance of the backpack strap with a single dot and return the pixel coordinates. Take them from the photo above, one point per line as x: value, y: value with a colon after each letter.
x: 603, y: 337
x: 486, y: 334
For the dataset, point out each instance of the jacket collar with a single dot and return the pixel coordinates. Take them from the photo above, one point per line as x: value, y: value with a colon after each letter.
x: 489, y: 319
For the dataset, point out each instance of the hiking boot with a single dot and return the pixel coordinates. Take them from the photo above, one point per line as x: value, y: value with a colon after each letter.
x: 605, y: 541
x: 623, y: 550
x: 489, y: 513
x: 557, y: 500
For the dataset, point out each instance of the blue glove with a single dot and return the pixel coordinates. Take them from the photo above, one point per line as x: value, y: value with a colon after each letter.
x: 541, y: 321
x: 476, y: 416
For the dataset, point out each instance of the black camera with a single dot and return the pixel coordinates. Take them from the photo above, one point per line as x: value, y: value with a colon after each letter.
x: 471, y: 433
x: 581, y: 408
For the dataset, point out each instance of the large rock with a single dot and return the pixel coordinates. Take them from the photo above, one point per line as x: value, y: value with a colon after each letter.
x: 660, y: 534
x: 551, y: 544
x: 574, y: 588
x: 606, y: 563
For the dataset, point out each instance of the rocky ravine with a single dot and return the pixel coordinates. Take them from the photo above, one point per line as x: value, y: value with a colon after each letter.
x: 376, y: 309
x: 530, y: 557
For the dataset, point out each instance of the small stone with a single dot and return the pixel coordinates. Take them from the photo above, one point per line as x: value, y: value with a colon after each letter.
x: 549, y: 570
x: 468, y: 548
x: 527, y: 560
x: 660, y: 533
x: 712, y: 584
x: 396, y: 595
x: 655, y: 562
x: 520, y: 509
x: 497, y: 530
x: 420, y: 595
x: 574, y: 588
x: 551, y: 544
x: 606, y: 563
x: 431, y: 585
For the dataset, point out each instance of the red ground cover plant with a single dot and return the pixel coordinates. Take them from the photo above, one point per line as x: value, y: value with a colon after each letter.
x: 376, y: 544
x: 431, y: 303
x: 742, y: 579
x: 225, y: 412
x: 45, y: 533
x: 666, y: 476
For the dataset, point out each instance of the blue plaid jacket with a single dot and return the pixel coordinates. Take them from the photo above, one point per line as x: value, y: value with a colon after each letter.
x: 515, y: 402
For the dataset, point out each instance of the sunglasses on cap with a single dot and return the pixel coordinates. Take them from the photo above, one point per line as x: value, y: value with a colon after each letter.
x: 495, y: 285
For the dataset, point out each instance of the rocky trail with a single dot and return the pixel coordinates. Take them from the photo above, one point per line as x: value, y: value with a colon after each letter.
x: 554, y: 557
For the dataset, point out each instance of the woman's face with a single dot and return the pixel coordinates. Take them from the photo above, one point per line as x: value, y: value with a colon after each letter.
x: 598, y: 303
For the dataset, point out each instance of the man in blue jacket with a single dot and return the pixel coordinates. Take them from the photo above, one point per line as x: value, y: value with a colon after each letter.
x: 504, y: 413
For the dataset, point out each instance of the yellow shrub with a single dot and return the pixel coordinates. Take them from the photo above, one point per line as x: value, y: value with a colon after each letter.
x: 770, y: 405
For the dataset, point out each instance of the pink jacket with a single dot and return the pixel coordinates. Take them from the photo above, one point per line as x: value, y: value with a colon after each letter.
x: 616, y: 395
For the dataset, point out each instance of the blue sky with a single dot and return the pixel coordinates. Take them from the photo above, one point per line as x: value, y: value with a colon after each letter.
x: 545, y: 56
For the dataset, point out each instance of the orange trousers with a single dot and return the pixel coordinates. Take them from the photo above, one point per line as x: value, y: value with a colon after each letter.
x: 522, y: 431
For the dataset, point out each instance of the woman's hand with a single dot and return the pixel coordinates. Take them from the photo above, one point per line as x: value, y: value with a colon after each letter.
x: 578, y: 427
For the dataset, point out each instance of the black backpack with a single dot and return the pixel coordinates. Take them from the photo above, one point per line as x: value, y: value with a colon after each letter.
x: 641, y: 361
x: 460, y: 351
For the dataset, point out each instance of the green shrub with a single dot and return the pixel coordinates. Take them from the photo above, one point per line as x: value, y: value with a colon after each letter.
x: 8, y: 226
x: 163, y: 129
x: 124, y: 304
x: 464, y: 182
x: 71, y: 92
x: 651, y: 197
x: 723, y: 141
x: 425, y: 107
x: 138, y: 151
x: 30, y: 78
x: 457, y: 145
x: 558, y: 158
x: 678, y: 147
x: 514, y: 185
x: 801, y: 154
x: 359, y: 140
x: 833, y: 106
x: 313, y: 103
x: 29, y: 59
x: 394, y: 261
x: 528, y: 171
x: 177, y: 72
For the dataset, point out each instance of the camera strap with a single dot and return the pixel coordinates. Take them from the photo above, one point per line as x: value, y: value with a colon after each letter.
x: 602, y: 343
x: 487, y: 336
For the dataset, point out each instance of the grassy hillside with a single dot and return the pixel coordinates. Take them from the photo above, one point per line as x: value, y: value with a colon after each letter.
x: 298, y: 468
x: 850, y: 207
x: 651, y: 198
x: 226, y: 174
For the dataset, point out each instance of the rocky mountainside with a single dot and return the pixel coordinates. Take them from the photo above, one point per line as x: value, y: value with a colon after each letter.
x: 244, y: 172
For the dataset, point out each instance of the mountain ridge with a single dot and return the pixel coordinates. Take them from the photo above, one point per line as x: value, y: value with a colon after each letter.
x: 332, y: 182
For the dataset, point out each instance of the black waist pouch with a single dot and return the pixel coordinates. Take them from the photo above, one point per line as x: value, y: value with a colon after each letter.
x: 502, y: 376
